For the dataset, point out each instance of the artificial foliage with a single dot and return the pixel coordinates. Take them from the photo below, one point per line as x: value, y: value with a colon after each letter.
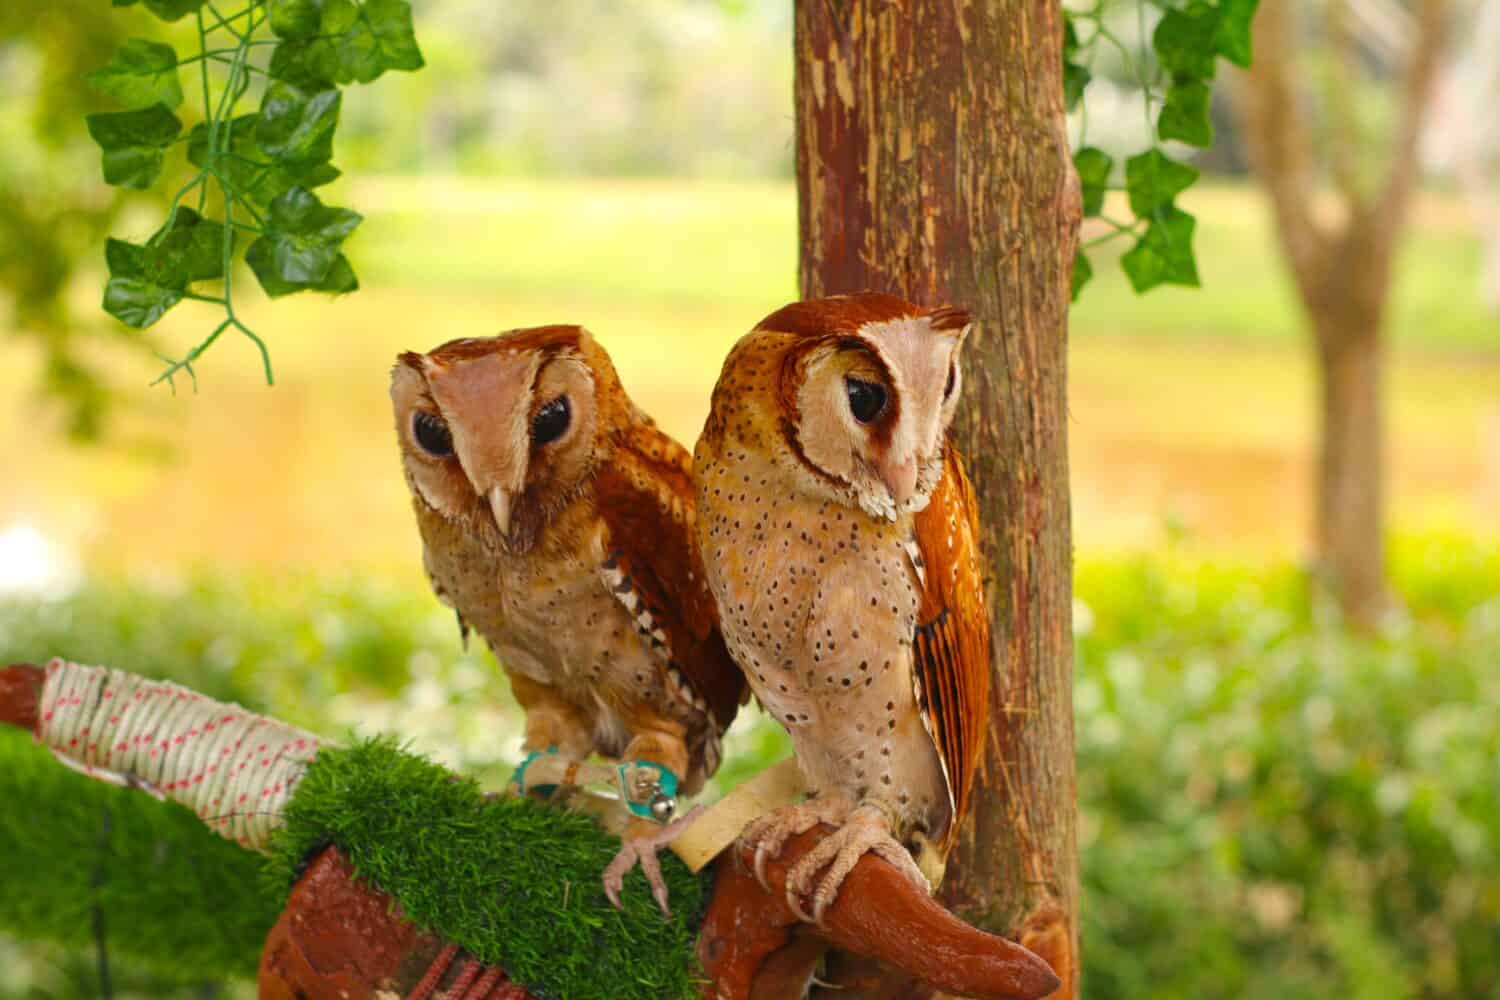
x: 1175, y: 73
x: 81, y: 861
x: 514, y: 882
x: 243, y: 182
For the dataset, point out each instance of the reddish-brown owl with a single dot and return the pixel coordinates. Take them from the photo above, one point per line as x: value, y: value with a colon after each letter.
x: 839, y: 533
x: 558, y: 521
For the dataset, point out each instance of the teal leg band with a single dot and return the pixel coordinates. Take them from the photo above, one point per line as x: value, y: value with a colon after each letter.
x: 519, y: 777
x: 656, y: 802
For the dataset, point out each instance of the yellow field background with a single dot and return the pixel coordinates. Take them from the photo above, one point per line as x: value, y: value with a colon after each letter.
x: 1192, y: 412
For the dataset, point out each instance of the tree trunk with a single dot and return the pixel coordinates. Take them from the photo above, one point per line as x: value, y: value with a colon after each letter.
x: 932, y: 162
x: 1342, y: 269
x: 1351, y: 483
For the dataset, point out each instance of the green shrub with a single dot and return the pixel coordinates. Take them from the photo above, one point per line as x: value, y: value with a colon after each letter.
x: 1269, y: 806
x: 1273, y: 808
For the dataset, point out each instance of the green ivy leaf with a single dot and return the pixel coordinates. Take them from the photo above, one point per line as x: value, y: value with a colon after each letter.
x: 248, y: 169
x: 1185, y: 115
x: 354, y: 43
x: 1184, y: 41
x: 134, y: 143
x: 339, y: 280
x: 295, y: 125
x: 1075, y: 81
x: 190, y: 248
x: 390, y: 20
x: 296, y: 19
x: 301, y: 244
x: 140, y: 74
x: 136, y: 293
x: 145, y: 280
x: 1153, y: 180
x: 1083, y: 271
x: 1164, y: 254
x: 172, y: 10
x: 1093, y: 166
x: 1076, y: 77
x: 1233, y: 37
x: 137, y: 302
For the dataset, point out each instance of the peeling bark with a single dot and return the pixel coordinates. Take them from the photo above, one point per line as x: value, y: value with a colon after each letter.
x: 932, y: 162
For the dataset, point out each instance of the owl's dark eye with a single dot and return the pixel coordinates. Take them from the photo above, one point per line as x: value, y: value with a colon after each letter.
x: 551, y: 421
x: 952, y: 381
x: 432, y: 434
x: 866, y: 399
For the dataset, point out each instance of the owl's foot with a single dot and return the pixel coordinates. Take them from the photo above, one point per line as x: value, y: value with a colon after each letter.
x: 771, y: 832
x: 866, y: 831
x: 641, y: 843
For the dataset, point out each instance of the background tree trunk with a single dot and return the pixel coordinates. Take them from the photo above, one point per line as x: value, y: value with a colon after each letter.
x: 932, y: 162
x: 1351, y: 492
x: 1341, y: 263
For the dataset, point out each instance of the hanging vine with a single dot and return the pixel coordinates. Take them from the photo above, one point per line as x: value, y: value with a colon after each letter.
x: 250, y: 176
x: 1175, y: 79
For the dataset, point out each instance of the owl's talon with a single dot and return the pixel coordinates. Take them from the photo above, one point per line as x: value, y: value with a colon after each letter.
x: 770, y: 832
x: 865, y: 832
x: 643, y: 849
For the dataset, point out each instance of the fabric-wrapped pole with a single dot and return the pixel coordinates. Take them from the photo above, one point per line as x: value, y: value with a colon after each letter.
x: 234, y: 768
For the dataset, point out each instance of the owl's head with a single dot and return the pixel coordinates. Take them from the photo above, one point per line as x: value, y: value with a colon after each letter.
x: 868, y: 387
x: 499, y: 433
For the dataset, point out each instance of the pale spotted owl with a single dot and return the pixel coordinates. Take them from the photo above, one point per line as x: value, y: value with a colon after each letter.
x: 839, y: 533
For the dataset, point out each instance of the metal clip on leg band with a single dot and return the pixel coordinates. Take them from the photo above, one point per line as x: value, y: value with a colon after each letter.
x: 661, y: 806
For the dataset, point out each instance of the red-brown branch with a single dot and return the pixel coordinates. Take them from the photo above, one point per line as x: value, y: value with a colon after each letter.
x: 878, y: 912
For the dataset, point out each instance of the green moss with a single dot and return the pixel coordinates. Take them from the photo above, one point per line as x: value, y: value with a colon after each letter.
x: 514, y: 882
x: 173, y: 896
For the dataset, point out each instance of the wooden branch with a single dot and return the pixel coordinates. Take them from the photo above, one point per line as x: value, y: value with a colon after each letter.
x: 1280, y: 149
x: 878, y: 913
x: 1387, y: 213
x: 1343, y: 114
x: 339, y: 937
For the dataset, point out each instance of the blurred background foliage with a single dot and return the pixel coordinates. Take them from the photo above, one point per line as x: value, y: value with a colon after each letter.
x: 1271, y: 807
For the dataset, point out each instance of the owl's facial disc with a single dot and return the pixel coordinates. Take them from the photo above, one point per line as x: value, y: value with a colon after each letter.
x: 486, y: 402
x: 875, y: 407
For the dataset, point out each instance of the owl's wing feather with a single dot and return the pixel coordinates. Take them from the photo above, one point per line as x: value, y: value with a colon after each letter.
x: 646, y: 499
x: 952, y: 642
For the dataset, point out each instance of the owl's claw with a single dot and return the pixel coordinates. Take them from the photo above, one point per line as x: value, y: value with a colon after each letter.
x: 770, y: 832
x: 643, y: 849
x: 866, y: 831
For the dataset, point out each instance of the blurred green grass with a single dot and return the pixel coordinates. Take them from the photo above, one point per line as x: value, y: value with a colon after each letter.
x: 1270, y: 807
x: 1190, y: 407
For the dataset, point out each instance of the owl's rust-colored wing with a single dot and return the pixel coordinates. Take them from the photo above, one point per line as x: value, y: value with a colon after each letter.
x: 646, y: 500
x: 952, y: 643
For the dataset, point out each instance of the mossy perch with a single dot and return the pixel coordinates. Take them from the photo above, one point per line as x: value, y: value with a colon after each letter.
x: 481, y: 885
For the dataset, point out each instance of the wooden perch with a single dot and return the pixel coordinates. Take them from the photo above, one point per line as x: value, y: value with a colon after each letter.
x: 339, y: 937
x: 752, y: 945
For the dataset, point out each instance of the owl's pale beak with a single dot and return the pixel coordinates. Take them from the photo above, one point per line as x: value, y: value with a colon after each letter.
x: 899, y: 476
x: 500, y: 507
